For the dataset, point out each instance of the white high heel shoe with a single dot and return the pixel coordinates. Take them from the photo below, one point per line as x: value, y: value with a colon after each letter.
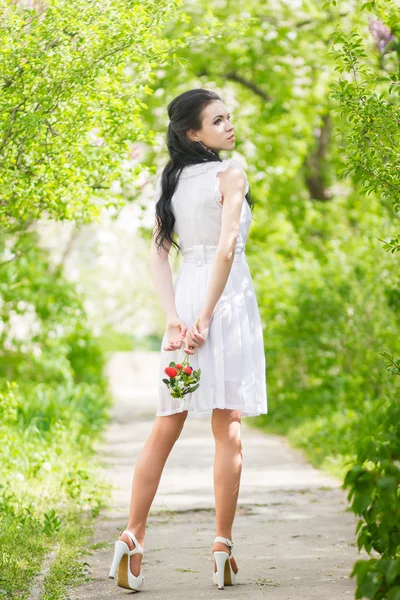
x: 121, y: 562
x: 224, y: 575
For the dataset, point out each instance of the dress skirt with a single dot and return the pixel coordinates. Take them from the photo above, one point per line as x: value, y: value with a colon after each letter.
x: 232, y: 359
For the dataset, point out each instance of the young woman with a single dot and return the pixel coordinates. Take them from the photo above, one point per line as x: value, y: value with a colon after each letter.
x: 206, y: 202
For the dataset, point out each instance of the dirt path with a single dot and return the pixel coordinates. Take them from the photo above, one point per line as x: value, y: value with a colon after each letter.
x: 293, y: 537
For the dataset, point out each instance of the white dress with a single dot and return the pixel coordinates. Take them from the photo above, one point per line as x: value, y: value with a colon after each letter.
x: 232, y: 359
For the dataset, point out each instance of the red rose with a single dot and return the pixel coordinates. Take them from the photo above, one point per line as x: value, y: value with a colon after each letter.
x: 179, y: 366
x: 170, y: 371
x: 188, y: 370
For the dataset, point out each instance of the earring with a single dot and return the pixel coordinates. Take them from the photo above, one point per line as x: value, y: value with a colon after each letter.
x: 206, y: 148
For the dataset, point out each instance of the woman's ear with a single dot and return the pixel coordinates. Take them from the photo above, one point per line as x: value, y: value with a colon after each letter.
x: 192, y: 135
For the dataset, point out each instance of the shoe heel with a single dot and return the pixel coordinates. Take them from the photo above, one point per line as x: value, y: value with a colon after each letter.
x: 120, y: 549
x: 220, y: 559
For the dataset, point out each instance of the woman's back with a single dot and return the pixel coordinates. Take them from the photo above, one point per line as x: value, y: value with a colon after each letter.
x: 197, y: 208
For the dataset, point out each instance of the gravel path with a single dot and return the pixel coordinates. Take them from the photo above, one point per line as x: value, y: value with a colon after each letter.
x: 294, y: 538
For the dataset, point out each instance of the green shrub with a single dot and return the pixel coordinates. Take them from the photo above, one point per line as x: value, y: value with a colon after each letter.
x: 54, y: 404
x: 374, y: 484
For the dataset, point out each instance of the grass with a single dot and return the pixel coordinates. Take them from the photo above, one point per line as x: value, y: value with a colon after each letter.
x: 51, y: 491
x: 68, y: 570
x: 23, y: 548
x: 186, y: 571
x: 27, y: 546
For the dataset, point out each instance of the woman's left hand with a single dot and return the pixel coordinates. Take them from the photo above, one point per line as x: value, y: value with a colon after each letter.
x: 176, y: 333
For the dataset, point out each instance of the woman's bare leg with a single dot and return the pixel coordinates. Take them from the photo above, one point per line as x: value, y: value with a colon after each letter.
x: 227, y: 471
x: 148, y: 470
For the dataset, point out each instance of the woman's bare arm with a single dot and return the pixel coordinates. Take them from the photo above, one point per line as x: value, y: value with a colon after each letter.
x: 160, y: 269
x: 161, y: 275
x: 232, y: 185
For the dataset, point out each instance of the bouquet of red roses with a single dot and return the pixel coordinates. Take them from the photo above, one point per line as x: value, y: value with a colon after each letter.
x: 182, y: 378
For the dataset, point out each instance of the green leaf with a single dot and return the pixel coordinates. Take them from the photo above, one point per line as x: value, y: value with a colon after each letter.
x: 394, y: 593
x: 392, y: 571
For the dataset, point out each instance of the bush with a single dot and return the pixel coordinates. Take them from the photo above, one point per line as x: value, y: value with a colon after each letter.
x: 54, y: 404
x: 374, y: 483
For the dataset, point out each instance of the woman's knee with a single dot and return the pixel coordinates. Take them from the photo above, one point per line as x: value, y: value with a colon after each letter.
x: 181, y: 422
x: 226, y: 425
x: 170, y: 426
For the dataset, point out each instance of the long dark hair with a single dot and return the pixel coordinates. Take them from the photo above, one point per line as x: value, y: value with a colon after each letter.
x: 184, y: 112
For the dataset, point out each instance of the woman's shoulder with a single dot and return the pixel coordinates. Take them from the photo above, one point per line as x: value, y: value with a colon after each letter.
x: 209, y: 167
x: 232, y: 162
x: 238, y: 168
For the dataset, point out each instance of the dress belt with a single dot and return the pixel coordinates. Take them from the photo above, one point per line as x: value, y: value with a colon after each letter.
x: 201, y: 254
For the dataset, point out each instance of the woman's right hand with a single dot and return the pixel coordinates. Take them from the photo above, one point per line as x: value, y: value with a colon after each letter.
x: 197, y: 334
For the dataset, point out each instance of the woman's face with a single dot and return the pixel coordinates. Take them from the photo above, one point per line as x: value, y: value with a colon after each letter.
x: 217, y: 129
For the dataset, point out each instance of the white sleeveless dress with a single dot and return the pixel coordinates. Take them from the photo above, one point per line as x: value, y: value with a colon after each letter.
x: 232, y: 359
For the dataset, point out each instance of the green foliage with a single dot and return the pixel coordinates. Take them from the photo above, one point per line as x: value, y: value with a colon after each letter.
x: 374, y: 481
x: 52, y: 522
x: 323, y: 310
x: 70, y: 569
x: 23, y: 543
x: 375, y: 478
x: 364, y: 96
x: 372, y: 156
x: 53, y: 404
x: 75, y: 77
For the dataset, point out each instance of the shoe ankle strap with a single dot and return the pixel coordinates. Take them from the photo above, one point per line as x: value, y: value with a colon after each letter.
x: 224, y: 540
x: 138, y: 547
